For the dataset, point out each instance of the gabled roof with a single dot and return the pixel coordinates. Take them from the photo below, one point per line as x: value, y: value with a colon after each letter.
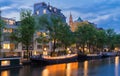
x: 79, y: 20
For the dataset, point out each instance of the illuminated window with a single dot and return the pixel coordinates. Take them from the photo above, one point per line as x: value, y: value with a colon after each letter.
x: 44, y: 34
x: 38, y: 33
x: 11, y: 22
x: 5, y: 63
x: 44, y: 11
x: 6, y: 46
x: 50, y: 8
x: 7, y: 30
x: 12, y: 46
x: 37, y: 12
x: 55, y: 10
x: 4, y: 30
x: 10, y: 30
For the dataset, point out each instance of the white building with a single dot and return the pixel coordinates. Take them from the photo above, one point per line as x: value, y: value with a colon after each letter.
x: 11, y: 25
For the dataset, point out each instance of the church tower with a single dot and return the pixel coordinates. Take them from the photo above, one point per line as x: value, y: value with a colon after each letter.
x: 71, y: 23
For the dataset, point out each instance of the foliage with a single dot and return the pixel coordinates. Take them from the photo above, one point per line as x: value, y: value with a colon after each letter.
x: 86, y: 34
x: 2, y: 24
x: 26, y: 30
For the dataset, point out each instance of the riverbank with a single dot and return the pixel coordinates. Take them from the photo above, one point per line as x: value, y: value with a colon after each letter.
x: 100, y: 67
x: 49, y: 60
x: 8, y: 63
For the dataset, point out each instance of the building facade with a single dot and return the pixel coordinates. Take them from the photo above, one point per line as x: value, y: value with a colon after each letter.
x: 11, y: 25
x: 43, y: 8
x: 74, y: 24
x: 7, y: 43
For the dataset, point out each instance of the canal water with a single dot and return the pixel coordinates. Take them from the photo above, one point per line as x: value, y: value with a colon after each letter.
x: 101, y: 67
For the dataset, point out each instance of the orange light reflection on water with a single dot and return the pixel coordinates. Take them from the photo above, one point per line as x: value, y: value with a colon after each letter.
x: 5, y: 73
x: 116, y: 65
x: 60, y: 69
x: 86, y: 68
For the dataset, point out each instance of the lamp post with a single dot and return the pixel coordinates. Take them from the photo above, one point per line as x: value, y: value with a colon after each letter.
x: 44, y: 51
x: 68, y: 49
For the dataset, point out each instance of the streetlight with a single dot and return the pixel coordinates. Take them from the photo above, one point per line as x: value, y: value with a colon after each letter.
x: 68, y: 49
x: 44, y: 51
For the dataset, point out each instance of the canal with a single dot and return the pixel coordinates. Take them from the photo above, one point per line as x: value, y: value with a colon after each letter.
x: 101, y: 67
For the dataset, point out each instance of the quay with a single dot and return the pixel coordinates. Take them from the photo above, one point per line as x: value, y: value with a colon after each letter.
x: 7, y: 63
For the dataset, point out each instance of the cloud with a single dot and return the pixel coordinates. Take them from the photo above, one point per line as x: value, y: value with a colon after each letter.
x: 13, y: 14
x: 100, y: 18
x: 103, y: 12
x: 6, y: 8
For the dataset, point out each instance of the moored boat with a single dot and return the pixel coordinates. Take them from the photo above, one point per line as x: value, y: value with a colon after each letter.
x: 94, y: 56
x: 54, y: 60
x: 108, y: 54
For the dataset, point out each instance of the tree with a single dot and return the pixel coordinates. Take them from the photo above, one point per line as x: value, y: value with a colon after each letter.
x: 110, y: 39
x: 117, y: 40
x: 101, y: 38
x: 51, y: 23
x: 2, y: 24
x: 26, y: 30
x: 86, y: 34
x: 43, y: 39
x: 65, y: 36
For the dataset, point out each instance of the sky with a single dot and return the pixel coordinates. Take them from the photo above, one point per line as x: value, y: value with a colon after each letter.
x: 104, y: 13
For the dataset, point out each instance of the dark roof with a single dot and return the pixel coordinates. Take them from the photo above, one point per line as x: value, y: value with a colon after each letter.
x: 79, y: 20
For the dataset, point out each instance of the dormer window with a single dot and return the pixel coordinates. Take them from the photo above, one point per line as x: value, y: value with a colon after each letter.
x: 55, y: 10
x: 50, y: 8
x: 11, y: 22
x: 37, y: 12
x: 44, y: 11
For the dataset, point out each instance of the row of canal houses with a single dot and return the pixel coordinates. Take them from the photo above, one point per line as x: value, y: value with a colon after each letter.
x: 11, y: 26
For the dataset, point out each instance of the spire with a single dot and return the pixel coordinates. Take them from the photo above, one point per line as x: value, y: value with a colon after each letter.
x: 70, y: 18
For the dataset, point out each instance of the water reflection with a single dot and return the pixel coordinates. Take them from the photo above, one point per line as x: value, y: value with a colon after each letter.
x: 116, y: 65
x: 5, y: 73
x: 102, y: 67
x: 60, y: 69
x: 45, y: 72
x: 86, y: 68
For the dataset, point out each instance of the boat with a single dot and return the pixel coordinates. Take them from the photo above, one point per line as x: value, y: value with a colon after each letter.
x: 93, y: 56
x: 82, y: 57
x: 54, y: 60
x: 108, y: 54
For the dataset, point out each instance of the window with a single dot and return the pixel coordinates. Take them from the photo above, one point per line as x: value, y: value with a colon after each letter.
x: 37, y: 12
x: 39, y: 47
x: 55, y: 10
x: 6, y: 38
x: 12, y: 46
x: 5, y: 63
x: 44, y: 34
x: 6, y: 46
x: 11, y: 22
x: 44, y: 11
x: 4, y: 30
x: 10, y: 30
x: 50, y: 8
x: 38, y: 33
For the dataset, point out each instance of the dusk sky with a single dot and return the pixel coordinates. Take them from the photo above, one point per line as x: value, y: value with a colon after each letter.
x: 104, y: 13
